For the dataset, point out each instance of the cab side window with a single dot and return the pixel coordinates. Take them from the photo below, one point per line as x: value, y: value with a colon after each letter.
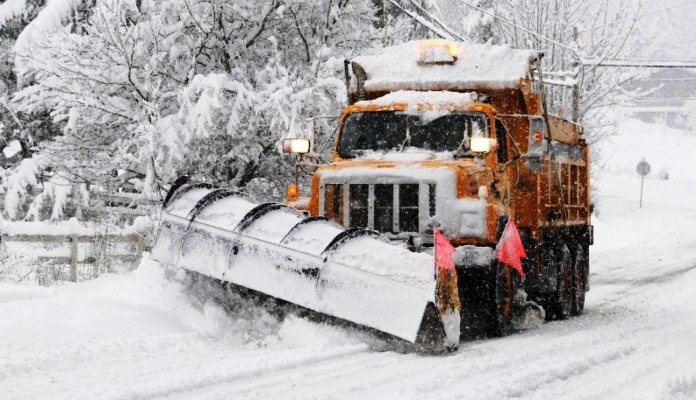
x: 501, y: 134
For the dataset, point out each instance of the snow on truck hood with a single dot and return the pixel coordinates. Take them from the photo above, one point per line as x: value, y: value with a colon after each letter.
x: 408, y: 154
x: 399, y: 67
x: 356, y: 170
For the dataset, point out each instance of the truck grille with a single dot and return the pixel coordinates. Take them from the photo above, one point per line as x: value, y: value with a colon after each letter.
x: 391, y: 208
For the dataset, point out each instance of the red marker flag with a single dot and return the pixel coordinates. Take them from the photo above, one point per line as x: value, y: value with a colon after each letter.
x: 447, y: 290
x: 509, y: 249
x: 443, y: 251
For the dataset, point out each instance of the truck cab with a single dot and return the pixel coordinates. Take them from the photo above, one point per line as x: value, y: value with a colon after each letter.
x: 409, y: 160
x: 456, y: 136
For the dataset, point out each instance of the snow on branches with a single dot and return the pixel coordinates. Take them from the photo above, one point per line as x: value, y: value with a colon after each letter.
x: 10, y: 10
x: 19, y: 183
x: 204, y: 87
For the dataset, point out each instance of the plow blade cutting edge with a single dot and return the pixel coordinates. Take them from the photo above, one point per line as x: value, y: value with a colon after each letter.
x: 352, y: 274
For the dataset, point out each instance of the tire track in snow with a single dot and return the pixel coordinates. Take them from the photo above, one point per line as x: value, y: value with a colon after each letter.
x: 274, y: 384
x: 161, y: 376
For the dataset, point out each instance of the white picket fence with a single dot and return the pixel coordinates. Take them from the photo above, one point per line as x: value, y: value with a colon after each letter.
x: 73, y: 257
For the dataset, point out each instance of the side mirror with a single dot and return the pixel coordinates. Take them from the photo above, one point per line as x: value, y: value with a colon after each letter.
x: 537, y: 145
x: 311, y: 168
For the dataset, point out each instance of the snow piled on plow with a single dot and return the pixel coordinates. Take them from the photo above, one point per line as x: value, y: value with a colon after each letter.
x: 387, y: 260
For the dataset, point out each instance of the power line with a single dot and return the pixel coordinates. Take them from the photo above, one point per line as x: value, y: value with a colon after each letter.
x: 637, y: 18
x: 437, y: 21
x: 443, y: 33
x: 670, y: 79
x: 654, y: 60
x: 519, y: 27
x: 675, y: 42
x: 629, y: 64
x: 667, y: 98
x: 606, y: 63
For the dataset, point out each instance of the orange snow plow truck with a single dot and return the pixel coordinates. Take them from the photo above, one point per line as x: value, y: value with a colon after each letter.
x: 453, y: 203
x: 451, y: 136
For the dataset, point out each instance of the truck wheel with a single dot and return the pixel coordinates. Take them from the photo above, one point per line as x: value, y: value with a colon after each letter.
x: 504, y: 292
x: 579, y: 280
x: 561, y: 301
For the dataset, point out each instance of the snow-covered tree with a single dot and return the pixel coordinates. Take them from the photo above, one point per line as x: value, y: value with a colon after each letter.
x: 478, y: 24
x: 665, y: 31
x: 574, y: 37
x: 203, y: 87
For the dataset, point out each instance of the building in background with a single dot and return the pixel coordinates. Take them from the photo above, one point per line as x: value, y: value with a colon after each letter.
x: 670, y: 96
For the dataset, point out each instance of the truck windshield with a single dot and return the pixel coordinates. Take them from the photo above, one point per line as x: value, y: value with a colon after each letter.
x: 383, y: 131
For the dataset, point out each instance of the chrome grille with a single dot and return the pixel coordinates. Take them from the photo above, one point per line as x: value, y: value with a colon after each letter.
x: 384, y: 208
x: 333, y: 203
x: 394, y: 208
x: 408, y: 208
x: 359, y: 195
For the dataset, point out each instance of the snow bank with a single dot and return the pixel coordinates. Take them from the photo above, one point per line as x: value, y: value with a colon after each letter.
x: 666, y: 149
x: 665, y: 220
x: 108, y: 314
x: 137, y: 305
x: 669, y: 209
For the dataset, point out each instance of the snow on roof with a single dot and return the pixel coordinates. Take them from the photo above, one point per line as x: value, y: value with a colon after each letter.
x: 442, y: 99
x: 438, y: 64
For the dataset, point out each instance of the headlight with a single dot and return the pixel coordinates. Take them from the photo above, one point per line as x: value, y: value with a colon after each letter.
x: 482, y: 145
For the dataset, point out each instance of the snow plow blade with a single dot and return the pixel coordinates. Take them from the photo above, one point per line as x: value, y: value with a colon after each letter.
x: 354, y: 274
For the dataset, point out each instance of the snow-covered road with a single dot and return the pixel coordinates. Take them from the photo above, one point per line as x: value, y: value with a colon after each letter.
x: 140, y: 336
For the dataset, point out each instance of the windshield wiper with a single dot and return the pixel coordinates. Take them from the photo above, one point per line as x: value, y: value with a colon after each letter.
x: 407, y: 139
x: 465, y: 139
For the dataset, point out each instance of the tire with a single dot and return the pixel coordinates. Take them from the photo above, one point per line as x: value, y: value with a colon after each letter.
x: 561, y: 301
x: 580, y: 269
x: 503, y: 301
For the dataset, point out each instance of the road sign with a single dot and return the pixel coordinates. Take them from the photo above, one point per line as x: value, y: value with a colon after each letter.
x: 643, y: 168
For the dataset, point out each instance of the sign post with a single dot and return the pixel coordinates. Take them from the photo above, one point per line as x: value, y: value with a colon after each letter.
x: 643, y: 169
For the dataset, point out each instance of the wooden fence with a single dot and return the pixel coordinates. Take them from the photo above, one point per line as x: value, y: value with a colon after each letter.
x: 74, y: 250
